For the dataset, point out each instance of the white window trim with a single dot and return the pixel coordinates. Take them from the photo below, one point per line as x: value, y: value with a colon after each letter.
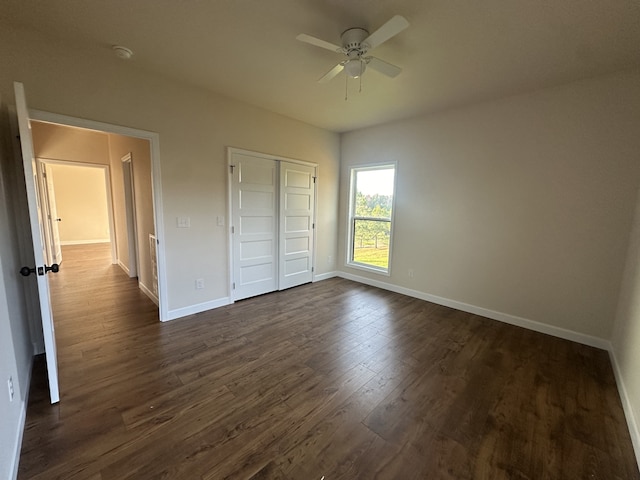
x: 350, y: 233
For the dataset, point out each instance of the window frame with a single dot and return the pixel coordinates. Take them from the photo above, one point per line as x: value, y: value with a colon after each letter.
x: 352, y: 218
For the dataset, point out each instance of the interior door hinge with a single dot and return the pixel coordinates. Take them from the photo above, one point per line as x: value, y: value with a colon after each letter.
x: 232, y: 167
x: 234, y: 285
x: 314, y: 179
x: 313, y: 269
x: 313, y: 226
x: 233, y: 230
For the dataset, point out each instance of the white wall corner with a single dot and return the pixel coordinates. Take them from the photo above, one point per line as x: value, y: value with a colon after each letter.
x: 200, y: 307
x: 632, y: 422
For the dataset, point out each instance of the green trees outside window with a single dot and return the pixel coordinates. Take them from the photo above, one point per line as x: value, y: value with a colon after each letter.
x: 371, y: 209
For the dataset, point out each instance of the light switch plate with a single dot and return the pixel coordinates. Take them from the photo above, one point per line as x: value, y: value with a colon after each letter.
x: 183, y: 222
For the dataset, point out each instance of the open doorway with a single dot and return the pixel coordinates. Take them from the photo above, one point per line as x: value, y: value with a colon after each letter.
x: 56, y: 143
x: 78, y: 206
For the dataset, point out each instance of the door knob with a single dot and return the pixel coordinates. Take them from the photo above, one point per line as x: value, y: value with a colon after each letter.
x: 58, y: 219
x: 55, y: 268
x: 26, y: 271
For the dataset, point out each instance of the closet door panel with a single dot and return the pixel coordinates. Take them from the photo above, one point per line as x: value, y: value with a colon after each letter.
x: 297, y: 201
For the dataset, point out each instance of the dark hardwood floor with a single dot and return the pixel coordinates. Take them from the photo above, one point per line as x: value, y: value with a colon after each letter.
x: 332, y: 379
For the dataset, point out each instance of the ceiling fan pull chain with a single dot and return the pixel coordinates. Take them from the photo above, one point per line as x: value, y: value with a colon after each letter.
x: 346, y: 87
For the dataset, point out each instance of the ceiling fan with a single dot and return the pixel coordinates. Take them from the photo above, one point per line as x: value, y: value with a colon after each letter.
x: 356, y: 43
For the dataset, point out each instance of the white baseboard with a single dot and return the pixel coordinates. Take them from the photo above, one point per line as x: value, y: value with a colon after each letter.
x: 566, y: 334
x: 18, y: 445
x: 21, y: 425
x: 85, y: 242
x: 632, y: 422
x: 124, y: 267
x: 149, y: 293
x: 200, y: 307
x: 324, y: 276
x: 500, y: 316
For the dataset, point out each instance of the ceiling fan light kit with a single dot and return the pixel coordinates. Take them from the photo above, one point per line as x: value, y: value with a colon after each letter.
x: 356, y: 43
x: 355, y: 68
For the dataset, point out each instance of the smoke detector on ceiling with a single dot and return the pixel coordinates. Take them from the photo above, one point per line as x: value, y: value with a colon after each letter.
x: 122, y: 52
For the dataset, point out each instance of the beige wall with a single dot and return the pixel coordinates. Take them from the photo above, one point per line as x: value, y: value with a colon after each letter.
x: 140, y: 151
x: 520, y: 206
x: 194, y: 127
x: 67, y: 143
x: 81, y: 202
x: 626, y: 337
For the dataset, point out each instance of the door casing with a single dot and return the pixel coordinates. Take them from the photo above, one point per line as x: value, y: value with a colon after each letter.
x: 156, y: 186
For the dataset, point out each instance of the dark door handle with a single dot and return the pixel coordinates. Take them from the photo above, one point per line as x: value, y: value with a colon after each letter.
x: 58, y: 219
x: 26, y: 271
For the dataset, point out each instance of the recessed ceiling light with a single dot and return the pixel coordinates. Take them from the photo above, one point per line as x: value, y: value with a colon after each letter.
x: 122, y: 52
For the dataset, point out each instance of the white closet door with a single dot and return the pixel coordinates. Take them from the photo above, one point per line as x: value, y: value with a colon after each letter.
x: 254, y: 209
x: 297, y: 201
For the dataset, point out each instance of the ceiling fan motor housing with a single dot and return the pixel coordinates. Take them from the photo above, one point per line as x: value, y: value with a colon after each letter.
x: 352, y: 42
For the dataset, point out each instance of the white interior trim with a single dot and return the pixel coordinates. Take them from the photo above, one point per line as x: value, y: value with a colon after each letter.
x: 21, y: 425
x: 148, y: 293
x: 200, y: 307
x: 324, y: 276
x: 156, y: 184
x: 124, y: 268
x: 632, y: 421
x: 484, y: 312
x: 85, y: 242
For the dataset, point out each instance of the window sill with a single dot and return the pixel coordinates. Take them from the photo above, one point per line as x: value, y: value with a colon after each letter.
x: 367, y: 268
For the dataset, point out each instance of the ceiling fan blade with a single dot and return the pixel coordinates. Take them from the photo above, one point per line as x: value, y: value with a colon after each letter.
x: 383, y: 67
x: 393, y: 27
x: 331, y: 73
x: 303, y: 37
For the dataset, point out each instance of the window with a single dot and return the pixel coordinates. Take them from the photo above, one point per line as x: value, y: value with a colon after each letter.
x: 370, y: 217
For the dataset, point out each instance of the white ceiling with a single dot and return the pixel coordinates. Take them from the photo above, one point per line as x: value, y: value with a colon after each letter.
x: 454, y: 51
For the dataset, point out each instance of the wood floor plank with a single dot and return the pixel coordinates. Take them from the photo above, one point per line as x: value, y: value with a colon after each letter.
x: 333, y: 378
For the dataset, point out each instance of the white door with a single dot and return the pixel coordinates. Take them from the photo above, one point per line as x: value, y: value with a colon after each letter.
x: 54, y: 250
x: 130, y: 210
x: 254, y: 223
x: 35, y: 218
x: 297, y: 201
